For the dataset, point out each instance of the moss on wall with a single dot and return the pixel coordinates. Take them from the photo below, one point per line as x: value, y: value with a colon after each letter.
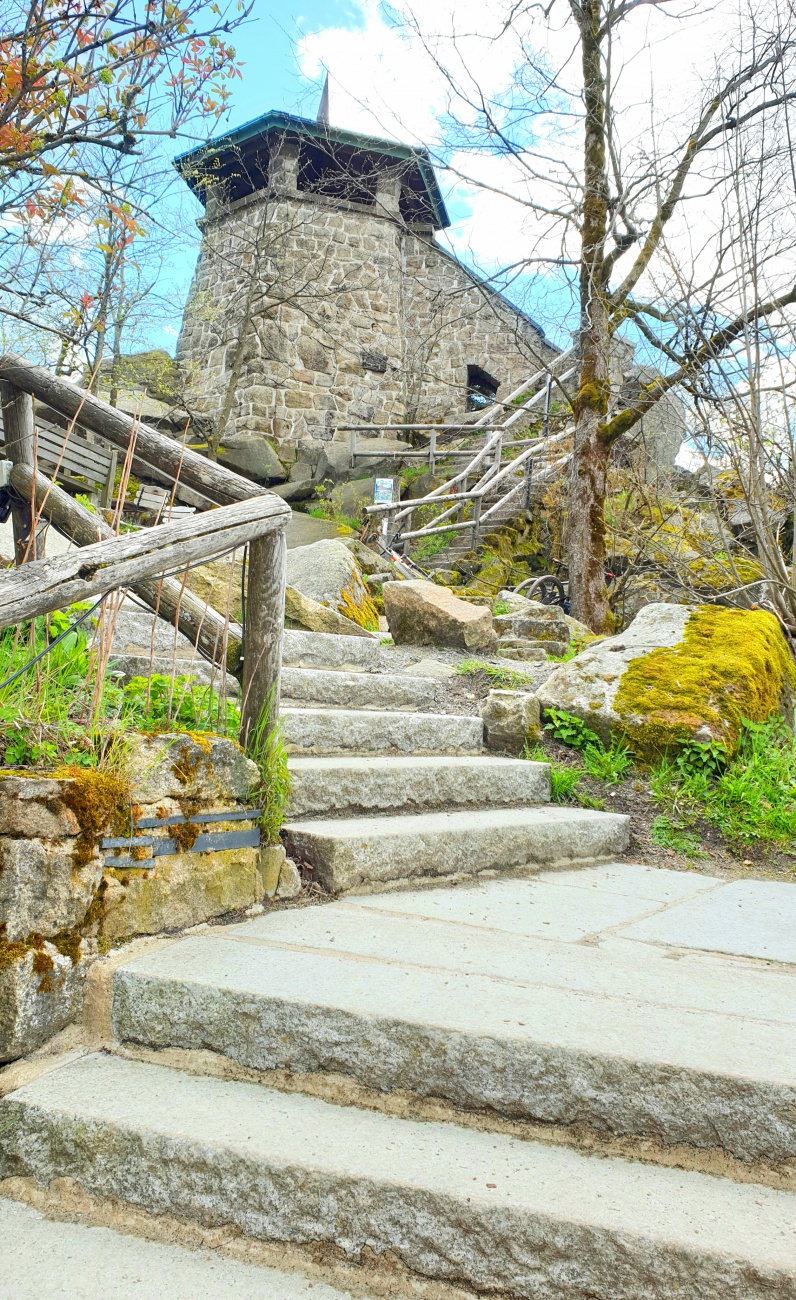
x: 732, y: 664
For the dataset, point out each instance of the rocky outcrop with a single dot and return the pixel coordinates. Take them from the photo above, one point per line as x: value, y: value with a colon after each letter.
x: 329, y: 574
x: 676, y: 674
x: 421, y: 613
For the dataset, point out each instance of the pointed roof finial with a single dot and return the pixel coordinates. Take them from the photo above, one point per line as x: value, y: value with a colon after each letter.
x: 323, y: 107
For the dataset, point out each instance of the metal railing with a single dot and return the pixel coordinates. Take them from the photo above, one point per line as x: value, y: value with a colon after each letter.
x: 487, y: 463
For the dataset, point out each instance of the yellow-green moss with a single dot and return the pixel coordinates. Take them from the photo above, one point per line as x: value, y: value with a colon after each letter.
x: 732, y: 664
x: 101, y: 804
x: 362, y: 611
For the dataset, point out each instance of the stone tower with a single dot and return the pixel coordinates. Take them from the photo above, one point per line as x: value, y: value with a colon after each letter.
x: 321, y: 296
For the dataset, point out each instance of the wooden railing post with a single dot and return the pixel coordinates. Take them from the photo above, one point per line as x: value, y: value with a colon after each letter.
x: 20, y: 442
x: 263, y: 634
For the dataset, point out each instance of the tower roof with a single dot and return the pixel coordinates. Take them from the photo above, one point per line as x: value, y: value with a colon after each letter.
x: 240, y: 158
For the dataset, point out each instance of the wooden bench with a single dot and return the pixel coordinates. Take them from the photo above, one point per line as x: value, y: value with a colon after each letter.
x: 75, y: 462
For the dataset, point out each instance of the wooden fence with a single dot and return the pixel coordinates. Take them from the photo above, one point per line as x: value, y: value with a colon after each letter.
x: 235, y: 512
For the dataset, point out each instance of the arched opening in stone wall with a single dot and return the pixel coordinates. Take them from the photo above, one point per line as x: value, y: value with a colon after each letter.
x: 481, y: 388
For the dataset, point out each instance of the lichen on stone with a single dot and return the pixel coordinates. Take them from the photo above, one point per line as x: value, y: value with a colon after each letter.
x: 100, y: 802
x: 732, y: 665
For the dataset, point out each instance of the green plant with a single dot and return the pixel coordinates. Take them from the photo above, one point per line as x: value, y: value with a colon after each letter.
x: 610, y: 764
x: 671, y: 836
x: 749, y: 796
x: 570, y: 730
x: 501, y: 607
x: 268, y: 751
x: 505, y: 677
x: 430, y: 546
x: 153, y: 703
x: 697, y: 758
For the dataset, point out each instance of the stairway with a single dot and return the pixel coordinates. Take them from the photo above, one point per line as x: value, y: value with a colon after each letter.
x: 385, y: 790
x: 520, y: 1083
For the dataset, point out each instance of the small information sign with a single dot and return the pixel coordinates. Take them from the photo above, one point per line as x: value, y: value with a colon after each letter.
x: 382, y: 493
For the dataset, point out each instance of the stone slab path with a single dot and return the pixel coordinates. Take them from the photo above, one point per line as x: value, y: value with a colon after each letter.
x: 596, y: 1001
x: 45, y: 1260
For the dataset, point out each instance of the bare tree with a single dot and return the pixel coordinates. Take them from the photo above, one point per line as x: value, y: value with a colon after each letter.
x: 628, y: 197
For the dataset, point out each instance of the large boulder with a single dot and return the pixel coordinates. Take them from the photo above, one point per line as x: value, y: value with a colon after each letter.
x: 421, y: 613
x: 252, y: 455
x: 383, y: 459
x: 329, y: 574
x: 678, y: 673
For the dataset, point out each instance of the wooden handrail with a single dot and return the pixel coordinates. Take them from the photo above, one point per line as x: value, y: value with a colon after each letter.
x: 215, y: 482
x: 45, y: 585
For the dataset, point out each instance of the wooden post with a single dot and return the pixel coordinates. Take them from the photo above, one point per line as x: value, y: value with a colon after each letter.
x: 352, y: 445
x: 265, y: 622
x: 19, y: 439
x: 432, y: 452
x: 476, y: 520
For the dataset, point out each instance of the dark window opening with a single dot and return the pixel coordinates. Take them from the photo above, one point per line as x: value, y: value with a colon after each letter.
x: 481, y: 389
x: 337, y: 173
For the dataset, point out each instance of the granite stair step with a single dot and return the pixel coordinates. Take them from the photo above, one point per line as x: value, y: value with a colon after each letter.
x: 375, y: 731
x: 460, y: 994
x: 330, y: 650
x: 479, y: 1209
x: 346, y: 785
x: 359, y: 852
x: 341, y: 689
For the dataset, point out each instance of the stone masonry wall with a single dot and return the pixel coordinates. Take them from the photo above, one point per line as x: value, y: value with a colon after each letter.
x: 306, y: 314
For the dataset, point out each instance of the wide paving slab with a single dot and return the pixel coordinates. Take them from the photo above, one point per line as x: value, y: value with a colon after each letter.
x: 481, y: 1208
x: 41, y: 1259
x: 517, y: 995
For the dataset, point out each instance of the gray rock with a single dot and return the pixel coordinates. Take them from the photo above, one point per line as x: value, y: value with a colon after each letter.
x: 252, y: 455
x: 518, y: 647
x: 328, y: 573
x: 349, y: 499
x: 335, y: 459
x: 300, y: 472
x: 40, y: 992
x: 587, y: 685
x: 174, y: 766
x: 542, y: 623
x: 510, y: 718
x: 289, y: 880
x: 302, y: 612
x: 422, y: 613
x: 34, y: 806
x: 43, y: 888
x: 300, y: 491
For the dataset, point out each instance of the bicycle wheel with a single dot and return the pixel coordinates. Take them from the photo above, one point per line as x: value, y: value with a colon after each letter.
x: 547, y: 590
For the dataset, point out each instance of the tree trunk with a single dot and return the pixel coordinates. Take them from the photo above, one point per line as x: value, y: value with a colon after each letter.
x: 588, y: 475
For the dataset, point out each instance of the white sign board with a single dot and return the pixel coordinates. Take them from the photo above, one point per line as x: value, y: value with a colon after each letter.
x: 382, y: 493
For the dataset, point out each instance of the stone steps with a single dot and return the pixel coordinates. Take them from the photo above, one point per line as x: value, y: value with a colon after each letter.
x: 480, y: 1209
x: 103, y: 1262
x: 373, y: 731
x: 352, y: 853
x: 328, y: 650
x: 426, y: 993
x: 341, y: 689
x: 346, y: 785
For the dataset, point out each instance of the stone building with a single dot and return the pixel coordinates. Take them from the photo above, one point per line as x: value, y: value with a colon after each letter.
x: 321, y: 297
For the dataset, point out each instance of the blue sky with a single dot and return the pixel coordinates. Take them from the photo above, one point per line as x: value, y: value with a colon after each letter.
x: 271, y: 78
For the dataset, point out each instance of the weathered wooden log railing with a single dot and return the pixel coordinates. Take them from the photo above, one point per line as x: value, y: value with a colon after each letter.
x: 245, y: 513
x: 175, y: 604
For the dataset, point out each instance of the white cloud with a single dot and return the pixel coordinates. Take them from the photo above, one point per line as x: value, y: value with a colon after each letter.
x: 385, y: 81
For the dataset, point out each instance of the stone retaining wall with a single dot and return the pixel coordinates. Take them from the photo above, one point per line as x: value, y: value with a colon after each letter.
x: 63, y: 902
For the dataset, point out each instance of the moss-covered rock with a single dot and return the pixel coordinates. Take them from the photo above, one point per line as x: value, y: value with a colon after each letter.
x: 679, y: 674
x: 328, y: 573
